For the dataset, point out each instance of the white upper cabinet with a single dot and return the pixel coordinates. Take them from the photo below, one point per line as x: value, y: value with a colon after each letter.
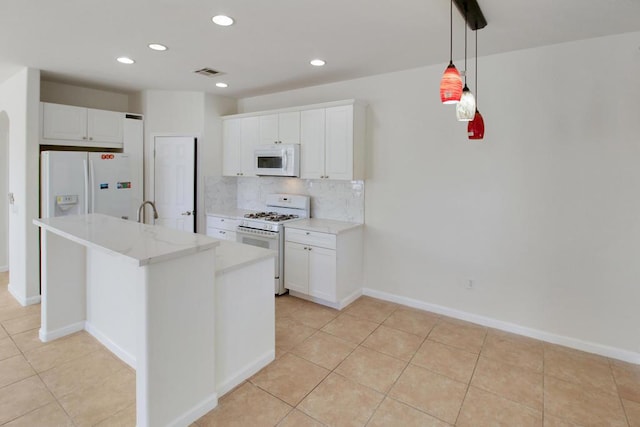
x: 231, y: 147
x: 332, y: 143
x: 312, y: 144
x: 239, y: 137
x: 331, y: 138
x: 105, y: 126
x: 281, y: 128
x: 250, y: 139
x: 84, y: 126
x: 339, y: 143
x: 64, y: 122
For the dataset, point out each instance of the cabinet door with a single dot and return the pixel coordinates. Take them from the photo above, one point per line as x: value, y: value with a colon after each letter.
x: 339, y: 142
x: 322, y: 273
x: 289, y: 127
x: 250, y: 138
x: 231, y: 147
x: 105, y: 126
x: 296, y: 267
x: 64, y: 122
x: 312, y: 131
x: 269, y: 129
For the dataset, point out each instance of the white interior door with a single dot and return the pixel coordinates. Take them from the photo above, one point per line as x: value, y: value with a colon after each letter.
x: 174, y: 181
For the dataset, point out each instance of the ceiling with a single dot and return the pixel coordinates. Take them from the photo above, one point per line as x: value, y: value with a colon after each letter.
x: 269, y: 47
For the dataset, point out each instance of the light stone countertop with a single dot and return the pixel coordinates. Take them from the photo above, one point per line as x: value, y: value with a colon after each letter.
x: 229, y: 213
x: 231, y: 256
x: 141, y: 243
x: 322, y: 225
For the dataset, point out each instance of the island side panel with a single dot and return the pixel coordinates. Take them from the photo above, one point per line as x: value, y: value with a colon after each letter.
x: 111, y: 302
x: 245, y: 323
x: 63, y: 281
x: 175, y: 372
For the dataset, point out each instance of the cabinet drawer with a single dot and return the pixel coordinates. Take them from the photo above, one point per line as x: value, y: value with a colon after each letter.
x: 313, y: 238
x: 222, y: 223
x: 221, y: 234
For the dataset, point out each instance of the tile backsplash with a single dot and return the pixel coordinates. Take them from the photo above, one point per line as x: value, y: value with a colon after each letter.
x: 340, y: 200
x: 220, y: 192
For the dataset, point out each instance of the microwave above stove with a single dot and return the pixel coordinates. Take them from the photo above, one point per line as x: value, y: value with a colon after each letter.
x: 277, y: 160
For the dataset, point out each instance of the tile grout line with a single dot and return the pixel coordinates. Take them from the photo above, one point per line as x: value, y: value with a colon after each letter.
x: 36, y: 373
x: 484, y: 340
x: 615, y: 381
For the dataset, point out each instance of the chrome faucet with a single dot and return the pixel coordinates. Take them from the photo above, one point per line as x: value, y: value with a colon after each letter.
x: 147, y: 202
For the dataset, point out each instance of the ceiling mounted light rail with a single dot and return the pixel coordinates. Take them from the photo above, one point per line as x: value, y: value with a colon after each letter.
x: 475, y: 18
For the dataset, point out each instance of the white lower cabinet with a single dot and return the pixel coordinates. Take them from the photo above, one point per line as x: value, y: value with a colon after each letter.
x: 323, y: 267
x: 222, y: 228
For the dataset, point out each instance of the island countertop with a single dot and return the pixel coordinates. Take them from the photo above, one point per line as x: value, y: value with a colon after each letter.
x: 143, y: 244
x: 231, y: 256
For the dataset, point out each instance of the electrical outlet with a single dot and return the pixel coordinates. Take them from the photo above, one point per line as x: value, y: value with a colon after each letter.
x: 470, y: 284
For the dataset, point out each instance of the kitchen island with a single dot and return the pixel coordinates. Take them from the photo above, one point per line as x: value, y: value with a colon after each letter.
x: 149, y: 294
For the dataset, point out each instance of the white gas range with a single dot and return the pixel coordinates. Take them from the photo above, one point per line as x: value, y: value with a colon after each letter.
x: 265, y: 229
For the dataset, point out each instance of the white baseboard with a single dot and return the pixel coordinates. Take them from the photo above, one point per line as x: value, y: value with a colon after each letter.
x: 46, y: 336
x: 227, y: 384
x: 349, y: 299
x: 196, y: 412
x: 21, y: 299
x: 603, y: 350
x: 337, y: 305
x: 124, y: 355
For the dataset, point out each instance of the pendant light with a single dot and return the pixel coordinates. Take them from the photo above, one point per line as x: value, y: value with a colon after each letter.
x: 475, y: 128
x: 451, y: 83
x: 466, y: 108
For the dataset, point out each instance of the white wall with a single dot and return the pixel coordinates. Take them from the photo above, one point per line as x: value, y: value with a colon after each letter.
x: 186, y: 114
x: 19, y: 98
x: 543, y: 215
x: 61, y: 93
x: 4, y: 189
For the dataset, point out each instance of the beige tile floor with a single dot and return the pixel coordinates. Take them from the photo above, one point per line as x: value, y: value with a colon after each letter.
x: 375, y: 364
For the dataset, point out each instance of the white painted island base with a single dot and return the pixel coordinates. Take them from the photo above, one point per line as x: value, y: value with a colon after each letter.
x: 145, y: 292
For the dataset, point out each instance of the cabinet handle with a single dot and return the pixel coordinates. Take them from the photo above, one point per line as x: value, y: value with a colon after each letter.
x: 305, y: 248
x: 221, y: 219
x: 326, y: 176
x: 90, y: 138
x: 223, y: 232
x: 84, y: 138
x: 307, y: 233
x: 309, y: 248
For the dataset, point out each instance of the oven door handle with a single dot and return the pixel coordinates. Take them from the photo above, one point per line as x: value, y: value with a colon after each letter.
x: 271, y: 236
x: 285, y: 159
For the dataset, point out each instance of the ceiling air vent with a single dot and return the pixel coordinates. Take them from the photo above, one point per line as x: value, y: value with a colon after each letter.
x: 209, y: 72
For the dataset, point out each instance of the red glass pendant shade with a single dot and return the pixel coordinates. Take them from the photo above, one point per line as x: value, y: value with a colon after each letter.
x: 450, y: 85
x: 475, y: 128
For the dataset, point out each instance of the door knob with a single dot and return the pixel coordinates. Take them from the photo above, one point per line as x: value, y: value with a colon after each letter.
x: 187, y: 213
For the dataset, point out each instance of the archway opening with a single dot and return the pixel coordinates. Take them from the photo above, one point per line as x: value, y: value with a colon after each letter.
x: 4, y: 198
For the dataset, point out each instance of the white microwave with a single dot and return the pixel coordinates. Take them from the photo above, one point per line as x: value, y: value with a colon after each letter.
x: 277, y: 160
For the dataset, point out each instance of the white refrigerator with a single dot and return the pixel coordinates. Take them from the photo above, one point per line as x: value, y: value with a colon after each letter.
x: 79, y: 182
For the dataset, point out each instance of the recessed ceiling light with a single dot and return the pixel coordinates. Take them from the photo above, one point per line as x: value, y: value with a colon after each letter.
x: 222, y: 20
x: 317, y: 62
x: 125, y: 60
x: 222, y: 84
x: 157, y: 46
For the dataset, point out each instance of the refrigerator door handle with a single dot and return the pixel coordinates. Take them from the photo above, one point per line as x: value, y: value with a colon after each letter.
x: 86, y: 186
x: 90, y: 181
